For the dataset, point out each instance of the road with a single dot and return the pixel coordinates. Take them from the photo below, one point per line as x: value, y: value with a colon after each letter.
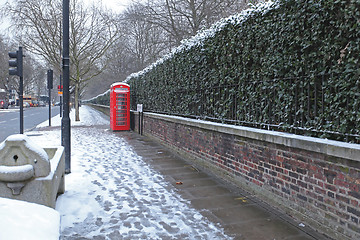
x: 10, y: 119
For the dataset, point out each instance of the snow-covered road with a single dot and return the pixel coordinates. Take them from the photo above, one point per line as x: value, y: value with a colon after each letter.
x: 113, y: 194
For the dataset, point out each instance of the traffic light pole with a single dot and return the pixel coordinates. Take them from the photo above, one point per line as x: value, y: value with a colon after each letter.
x: 16, y: 68
x: 21, y: 102
x: 65, y: 121
x: 61, y: 101
x: 50, y: 76
x: 49, y: 107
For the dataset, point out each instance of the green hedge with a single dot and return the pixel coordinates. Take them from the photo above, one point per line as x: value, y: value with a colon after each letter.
x: 294, y: 65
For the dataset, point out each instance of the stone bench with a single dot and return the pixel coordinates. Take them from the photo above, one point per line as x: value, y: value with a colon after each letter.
x: 29, y: 172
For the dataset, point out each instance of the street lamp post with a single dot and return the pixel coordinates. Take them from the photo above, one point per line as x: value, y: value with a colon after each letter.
x: 60, y: 78
x: 65, y: 121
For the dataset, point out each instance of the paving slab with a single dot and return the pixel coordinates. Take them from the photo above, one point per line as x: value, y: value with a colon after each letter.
x: 241, y: 217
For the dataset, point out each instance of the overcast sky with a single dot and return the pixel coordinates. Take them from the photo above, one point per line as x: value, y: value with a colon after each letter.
x: 115, y: 5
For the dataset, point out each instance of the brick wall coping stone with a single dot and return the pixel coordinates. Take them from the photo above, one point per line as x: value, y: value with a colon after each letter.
x: 324, y: 146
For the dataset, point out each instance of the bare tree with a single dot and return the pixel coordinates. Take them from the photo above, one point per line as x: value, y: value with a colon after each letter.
x: 145, y: 41
x: 92, y: 32
x: 34, y: 76
x: 184, y: 18
x: 5, y: 81
x: 139, y: 44
x: 4, y: 75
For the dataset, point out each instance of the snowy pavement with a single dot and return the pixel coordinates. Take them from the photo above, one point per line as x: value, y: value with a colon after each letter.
x: 112, y: 193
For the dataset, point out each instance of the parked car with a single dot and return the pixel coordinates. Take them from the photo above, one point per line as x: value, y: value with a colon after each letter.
x: 26, y: 104
x: 34, y: 103
x: 3, y: 104
x: 3, y: 96
x: 42, y: 104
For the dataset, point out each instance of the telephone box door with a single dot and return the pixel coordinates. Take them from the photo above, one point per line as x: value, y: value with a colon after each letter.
x: 120, y: 107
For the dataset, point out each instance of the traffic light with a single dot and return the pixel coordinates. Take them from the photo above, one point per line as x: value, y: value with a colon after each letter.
x: 16, y: 63
x: 16, y: 68
x: 50, y: 77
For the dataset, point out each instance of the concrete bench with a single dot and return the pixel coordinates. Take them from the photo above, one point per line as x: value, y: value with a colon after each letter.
x: 29, y: 172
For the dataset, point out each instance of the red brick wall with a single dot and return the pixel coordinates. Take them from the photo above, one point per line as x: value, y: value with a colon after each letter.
x: 322, y: 188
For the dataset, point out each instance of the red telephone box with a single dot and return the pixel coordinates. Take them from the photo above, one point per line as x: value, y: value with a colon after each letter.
x: 120, y: 106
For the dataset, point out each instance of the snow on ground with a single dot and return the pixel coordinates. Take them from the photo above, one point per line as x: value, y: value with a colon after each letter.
x: 22, y: 220
x: 113, y: 194
x: 88, y: 117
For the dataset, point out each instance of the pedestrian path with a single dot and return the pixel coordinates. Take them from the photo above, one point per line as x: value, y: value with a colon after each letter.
x: 125, y: 186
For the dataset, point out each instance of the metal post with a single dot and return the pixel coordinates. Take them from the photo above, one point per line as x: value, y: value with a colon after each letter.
x: 21, y: 103
x: 61, y: 101
x: 21, y: 95
x: 49, y: 107
x: 139, y: 122
x: 142, y: 122
x: 50, y: 86
x: 61, y: 89
x: 65, y: 122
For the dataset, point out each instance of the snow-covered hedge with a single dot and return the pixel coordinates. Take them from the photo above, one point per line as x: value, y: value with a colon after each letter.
x: 103, y: 99
x: 293, y: 64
